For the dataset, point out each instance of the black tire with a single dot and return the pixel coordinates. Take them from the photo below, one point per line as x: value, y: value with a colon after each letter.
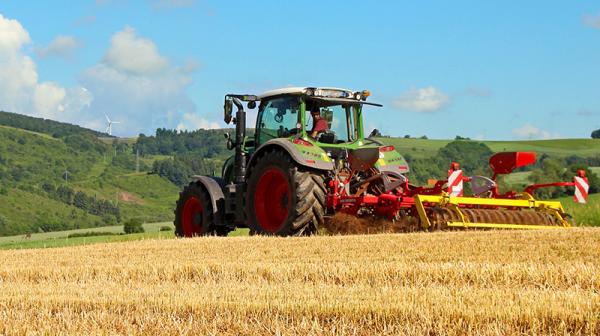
x: 304, y: 198
x: 189, y: 222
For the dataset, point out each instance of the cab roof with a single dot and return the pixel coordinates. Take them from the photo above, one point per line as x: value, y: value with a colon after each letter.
x: 297, y: 90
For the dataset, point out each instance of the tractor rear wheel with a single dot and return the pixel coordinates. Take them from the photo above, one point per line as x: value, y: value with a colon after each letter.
x: 284, y: 199
x: 194, y: 213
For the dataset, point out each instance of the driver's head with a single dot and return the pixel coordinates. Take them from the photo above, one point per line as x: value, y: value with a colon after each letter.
x: 315, y: 112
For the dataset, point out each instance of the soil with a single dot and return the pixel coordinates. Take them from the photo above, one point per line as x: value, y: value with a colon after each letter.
x: 342, y: 223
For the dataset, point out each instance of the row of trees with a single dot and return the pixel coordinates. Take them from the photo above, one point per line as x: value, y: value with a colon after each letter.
x: 206, y: 143
x: 180, y: 169
x: 473, y: 157
x: 596, y: 134
x: 109, y: 212
x: 199, y: 152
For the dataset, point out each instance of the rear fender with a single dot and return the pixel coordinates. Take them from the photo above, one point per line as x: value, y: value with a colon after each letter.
x: 213, y: 187
x: 308, y: 156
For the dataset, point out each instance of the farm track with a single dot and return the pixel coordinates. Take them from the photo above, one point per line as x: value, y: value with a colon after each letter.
x: 443, y: 283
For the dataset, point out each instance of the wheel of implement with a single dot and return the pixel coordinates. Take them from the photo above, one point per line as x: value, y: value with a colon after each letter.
x: 284, y: 199
x: 194, y: 213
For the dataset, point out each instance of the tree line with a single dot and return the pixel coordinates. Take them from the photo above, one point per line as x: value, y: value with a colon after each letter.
x: 109, y: 212
x: 199, y: 152
x: 205, y: 143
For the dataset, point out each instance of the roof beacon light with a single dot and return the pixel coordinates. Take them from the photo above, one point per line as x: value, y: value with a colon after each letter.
x: 362, y: 95
x: 365, y: 94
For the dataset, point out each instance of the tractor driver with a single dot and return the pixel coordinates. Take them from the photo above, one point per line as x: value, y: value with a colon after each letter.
x: 319, y: 123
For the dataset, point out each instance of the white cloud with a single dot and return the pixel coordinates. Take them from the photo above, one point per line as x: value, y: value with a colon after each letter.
x: 425, y: 100
x: 192, y: 122
x: 592, y: 21
x: 530, y: 132
x: 12, y: 36
x: 20, y: 88
x: 141, y: 103
x: 143, y: 97
x: 48, y: 98
x: 134, y: 84
x: 61, y: 46
x: 133, y: 54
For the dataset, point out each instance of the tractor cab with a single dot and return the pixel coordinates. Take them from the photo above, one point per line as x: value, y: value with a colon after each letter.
x: 295, y: 112
x: 323, y: 115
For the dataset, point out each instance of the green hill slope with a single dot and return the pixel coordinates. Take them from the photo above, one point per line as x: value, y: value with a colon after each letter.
x: 75, y: 181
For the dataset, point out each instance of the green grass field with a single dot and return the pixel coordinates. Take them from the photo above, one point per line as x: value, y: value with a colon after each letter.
x: 584, y: 214
x: 60, y: 238
x: 25, y: 209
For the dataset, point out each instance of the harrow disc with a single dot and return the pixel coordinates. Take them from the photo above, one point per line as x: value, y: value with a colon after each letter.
x: 442, y: 218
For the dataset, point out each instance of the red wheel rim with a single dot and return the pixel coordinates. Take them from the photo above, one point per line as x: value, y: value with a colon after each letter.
x: 192, y: 217
x: 272, y: 200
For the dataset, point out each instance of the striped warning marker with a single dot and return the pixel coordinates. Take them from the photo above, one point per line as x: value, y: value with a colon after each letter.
x: 455, y: 182
x: 581, y: 189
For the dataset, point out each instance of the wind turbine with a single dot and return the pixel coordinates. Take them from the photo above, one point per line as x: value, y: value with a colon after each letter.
x: 110, y: 123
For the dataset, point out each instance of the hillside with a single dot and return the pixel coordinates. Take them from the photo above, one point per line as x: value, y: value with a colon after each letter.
x: 45, y: 126
x: 49, y: 184
x: 493, y: 282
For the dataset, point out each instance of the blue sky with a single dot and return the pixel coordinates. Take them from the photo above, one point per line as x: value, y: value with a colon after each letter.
x: 487, y: 70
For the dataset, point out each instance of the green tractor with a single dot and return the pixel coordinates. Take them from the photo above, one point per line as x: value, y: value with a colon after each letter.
x: 287, y: 179
x: 309, y: 159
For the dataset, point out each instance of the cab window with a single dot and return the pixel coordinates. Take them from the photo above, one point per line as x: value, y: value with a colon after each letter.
x: 277, y: 118
x: 340, y: 120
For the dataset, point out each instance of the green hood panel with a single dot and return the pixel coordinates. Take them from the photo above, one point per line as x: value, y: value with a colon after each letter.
x: 303, y: 152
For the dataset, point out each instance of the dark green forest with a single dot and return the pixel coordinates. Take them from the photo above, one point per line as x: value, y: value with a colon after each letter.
x: 200, y: 152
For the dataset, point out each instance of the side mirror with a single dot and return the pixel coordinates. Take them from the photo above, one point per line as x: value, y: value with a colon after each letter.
x: 228, y: 108
x: 229, y: 141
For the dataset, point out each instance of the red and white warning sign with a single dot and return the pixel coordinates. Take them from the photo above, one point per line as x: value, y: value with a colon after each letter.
x: 581, y: 189
x: 455, y: 182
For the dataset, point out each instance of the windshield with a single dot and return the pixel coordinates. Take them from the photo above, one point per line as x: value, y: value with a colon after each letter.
x: 340, y: 122
x: 277, y: 118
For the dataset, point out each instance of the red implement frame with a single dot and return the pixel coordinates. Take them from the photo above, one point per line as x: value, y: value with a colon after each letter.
x: 403, y: 198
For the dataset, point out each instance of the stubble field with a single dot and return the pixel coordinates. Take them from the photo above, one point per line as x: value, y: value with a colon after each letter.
x: 445, y: 283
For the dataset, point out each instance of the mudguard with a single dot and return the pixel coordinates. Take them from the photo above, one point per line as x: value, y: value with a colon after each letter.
x: 212, y: 185
x: 305, y: 155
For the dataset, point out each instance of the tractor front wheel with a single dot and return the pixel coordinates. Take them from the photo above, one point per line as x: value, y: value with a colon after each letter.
x: 194, y: 213
x: 284, y: 199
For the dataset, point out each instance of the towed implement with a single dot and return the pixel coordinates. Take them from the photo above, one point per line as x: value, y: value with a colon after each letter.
x: 309, y: 159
